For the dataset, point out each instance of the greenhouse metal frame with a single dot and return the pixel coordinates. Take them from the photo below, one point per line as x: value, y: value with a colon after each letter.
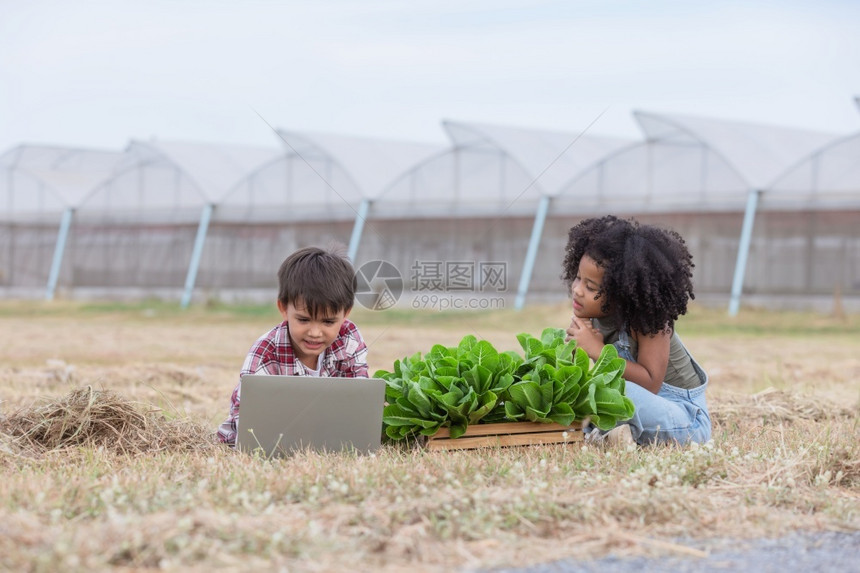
x: 767, y: 211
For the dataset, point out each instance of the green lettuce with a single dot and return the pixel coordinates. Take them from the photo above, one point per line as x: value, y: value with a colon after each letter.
x: 471, y: 383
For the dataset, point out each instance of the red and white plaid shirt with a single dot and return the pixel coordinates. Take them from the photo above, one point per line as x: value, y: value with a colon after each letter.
x: 273, y: 354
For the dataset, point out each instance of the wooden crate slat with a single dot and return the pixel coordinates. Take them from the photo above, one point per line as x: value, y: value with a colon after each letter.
x: 491, y: 441
x: 505, y: 434
x: 507, y: 428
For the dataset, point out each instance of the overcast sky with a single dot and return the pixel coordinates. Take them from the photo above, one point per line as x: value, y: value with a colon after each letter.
x: 97, y: 74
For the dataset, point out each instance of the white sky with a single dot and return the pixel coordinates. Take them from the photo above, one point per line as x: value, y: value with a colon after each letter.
x: 99, y: 73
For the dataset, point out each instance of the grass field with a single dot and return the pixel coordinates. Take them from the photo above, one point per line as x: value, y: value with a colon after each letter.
x: 138, y: 483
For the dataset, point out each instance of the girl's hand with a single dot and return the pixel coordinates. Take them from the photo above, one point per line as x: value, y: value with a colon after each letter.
x: 587, y: 337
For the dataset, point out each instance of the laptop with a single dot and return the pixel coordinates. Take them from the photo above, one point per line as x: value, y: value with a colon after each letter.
x: 279, y: 415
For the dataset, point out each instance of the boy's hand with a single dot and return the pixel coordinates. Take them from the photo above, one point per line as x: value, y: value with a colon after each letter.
x: 587, y: 337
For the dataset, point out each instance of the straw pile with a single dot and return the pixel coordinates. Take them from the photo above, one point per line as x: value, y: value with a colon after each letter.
x: 97, y: 418
x: 772, y: 405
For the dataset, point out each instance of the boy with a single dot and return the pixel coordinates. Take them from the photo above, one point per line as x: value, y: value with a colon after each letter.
x: 316, y: 293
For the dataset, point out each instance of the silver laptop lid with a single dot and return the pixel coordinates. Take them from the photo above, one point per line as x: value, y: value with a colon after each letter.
x: 283, y: 414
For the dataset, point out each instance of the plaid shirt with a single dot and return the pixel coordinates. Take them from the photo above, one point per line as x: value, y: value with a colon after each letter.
x: 273, y: 354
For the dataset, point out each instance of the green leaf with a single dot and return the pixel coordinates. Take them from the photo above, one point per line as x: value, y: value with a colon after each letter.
x: 548, y: 372
x: 602, y: 379
x: 531, y: 345
x: 585, y: 403
x: 514, y: 411
x: 537, y: 415
x: 384, y: 374
x: 438, y: 351
x: 618, y: 383
x: 484, y: 354
x: 478, y: 378
x: 419, y: 399
x: 546, y: 392
x: 430, y: 430
x: 446, y: 382
x: 443, y: 371
x: 458, y: 430
x: 468, y: 404
x: 486, y: 403
x: 516, y: 360
x: 502, y: 383
x: 580, y: 358
x: 526, y: 394
x: 564, y: 353
x: 393, y: 415
x: 562, y: 414
x: 407, y: 406
x: 548, y: 354
x: 396, y: 432
x: 393, y: 389
x: 569, y: 375
x: 550, y: 337
x: 603, y: 362
x: 452, y: 398
x: 604, y: 422
x: 569, y: 395
x: 610, y: 402
x: 466, y: 345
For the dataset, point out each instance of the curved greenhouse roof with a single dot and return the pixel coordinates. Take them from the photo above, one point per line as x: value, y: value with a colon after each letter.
x: 550, y: 157
x: 758, y: 153
x: 688, y: 164
x: 170, y: 181
x: 321, y: 176
x: 492, y: 169
x: 44, y: 180
x: 654, y: 176
x: 828, y: 178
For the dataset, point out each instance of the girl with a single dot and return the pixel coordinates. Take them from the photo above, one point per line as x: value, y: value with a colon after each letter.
x: 628, y: 284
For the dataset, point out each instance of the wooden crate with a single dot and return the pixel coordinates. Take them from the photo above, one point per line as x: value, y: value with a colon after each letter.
x: 505, y: 434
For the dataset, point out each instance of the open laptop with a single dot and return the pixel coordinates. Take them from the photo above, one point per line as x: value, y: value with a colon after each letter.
x: 283, y: 414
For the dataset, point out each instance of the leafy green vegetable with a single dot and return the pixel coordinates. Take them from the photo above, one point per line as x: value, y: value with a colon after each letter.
x: 471, y: 383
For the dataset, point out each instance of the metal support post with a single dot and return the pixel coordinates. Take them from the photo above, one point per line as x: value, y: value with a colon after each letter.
x: 358, y: 228
x: 531, y: 254
x: 59, y: 249
x: 743, y: 251
x: 196, y: 254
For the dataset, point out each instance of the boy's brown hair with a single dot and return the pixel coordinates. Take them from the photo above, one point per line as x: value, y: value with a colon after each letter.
x: 323, y: 280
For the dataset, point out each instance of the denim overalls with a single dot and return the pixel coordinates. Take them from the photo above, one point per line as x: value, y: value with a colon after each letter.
x: 672, y: 415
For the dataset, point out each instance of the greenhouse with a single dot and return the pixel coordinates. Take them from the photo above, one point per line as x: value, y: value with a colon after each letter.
x: 703, y: 177
x: 771, y: 214
x: 137, y: 232
x: 315, y: 192
x: 40, y: 187
x: 471, y: 209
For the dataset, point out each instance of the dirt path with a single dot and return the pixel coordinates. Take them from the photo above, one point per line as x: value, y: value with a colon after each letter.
x: 834, y: 552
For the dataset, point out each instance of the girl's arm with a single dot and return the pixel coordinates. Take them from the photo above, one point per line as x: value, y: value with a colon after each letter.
x: 653, y: 356
x: 652, y: 360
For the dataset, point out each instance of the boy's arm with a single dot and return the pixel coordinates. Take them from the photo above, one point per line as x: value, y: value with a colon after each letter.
x: 354, y: 358
x: 359, y: 366
x: 227, y: 429
x: 261, y: 359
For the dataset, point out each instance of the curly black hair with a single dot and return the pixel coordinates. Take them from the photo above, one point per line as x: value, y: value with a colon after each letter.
x: 647, y: 278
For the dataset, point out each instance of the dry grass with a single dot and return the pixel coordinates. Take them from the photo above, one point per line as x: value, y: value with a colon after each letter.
x: 107, y: 460
x: 98, y: 419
